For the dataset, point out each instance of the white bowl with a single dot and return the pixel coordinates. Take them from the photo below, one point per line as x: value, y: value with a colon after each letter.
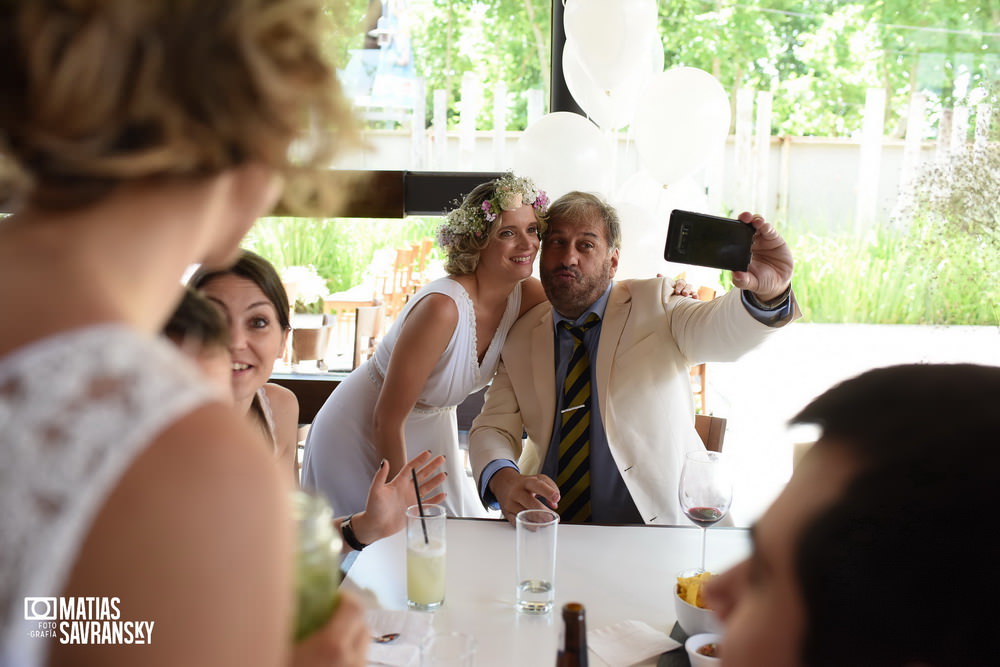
x: 694, y: 642
x: 694, y: 620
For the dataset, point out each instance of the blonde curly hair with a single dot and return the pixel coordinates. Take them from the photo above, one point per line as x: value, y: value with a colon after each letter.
x: 98, y: 93
x: 470, y: 226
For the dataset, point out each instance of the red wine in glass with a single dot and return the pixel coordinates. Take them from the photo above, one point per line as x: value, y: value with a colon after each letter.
x: 705, y: 491
x: 705, y: 516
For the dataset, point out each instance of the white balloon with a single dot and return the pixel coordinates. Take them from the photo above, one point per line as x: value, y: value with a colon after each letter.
x: 611, y: 109
x: 681, y: 122
x: 609, y: 36
x: 594, y: 101
x: 643, y: 239
x: 643, y: 190
x: 564, y: 151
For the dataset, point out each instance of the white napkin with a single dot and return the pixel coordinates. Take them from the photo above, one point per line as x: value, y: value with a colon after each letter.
x: 628, y: 642
x: 412, y: 626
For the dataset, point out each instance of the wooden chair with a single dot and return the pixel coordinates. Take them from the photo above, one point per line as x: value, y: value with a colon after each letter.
x: 421, y: 252
x: 344, y: 304
x: 711, y: 430
x: 367, y: 330
x: 399, y: 288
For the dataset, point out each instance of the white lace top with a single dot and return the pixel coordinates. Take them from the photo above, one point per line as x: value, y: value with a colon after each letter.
x: 75, y: 410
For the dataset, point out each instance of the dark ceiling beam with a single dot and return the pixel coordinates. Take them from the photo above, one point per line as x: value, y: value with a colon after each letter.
x: 396, y: 194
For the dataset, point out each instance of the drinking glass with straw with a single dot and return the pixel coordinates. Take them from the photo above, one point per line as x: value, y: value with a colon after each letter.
x: 420, y: 504
x: 425, y: 553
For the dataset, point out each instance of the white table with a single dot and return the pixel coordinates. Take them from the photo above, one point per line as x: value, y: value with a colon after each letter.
x: 617, y: 572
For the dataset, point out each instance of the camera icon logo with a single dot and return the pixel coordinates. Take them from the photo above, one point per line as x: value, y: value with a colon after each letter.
x: 40, y: 609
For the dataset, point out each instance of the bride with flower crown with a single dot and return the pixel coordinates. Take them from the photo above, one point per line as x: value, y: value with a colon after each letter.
x: 444, y: 346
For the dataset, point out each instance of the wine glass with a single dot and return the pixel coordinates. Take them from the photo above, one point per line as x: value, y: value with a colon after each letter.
x: 705, y: 491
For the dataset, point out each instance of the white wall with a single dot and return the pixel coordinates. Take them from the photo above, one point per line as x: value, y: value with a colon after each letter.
x: 816, y: 177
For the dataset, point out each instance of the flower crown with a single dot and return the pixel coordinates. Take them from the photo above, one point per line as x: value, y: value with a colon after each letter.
x: 510, y: 193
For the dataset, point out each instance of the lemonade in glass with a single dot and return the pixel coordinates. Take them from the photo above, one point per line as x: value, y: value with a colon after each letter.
x: 425, y: 557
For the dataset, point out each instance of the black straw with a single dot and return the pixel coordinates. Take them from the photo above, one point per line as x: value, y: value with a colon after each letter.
x: 420, y: 505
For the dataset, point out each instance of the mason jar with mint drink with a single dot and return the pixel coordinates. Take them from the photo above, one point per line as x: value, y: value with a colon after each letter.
x: 317, y: 563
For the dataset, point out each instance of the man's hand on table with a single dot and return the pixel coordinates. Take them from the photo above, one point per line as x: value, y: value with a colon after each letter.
x: 516, y: 492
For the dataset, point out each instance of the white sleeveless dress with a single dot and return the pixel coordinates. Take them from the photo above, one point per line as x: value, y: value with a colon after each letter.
x: 339, y: 456
x: 75, y: 410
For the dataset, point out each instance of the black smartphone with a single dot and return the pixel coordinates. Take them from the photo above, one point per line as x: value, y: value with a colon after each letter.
x: 708, y: 240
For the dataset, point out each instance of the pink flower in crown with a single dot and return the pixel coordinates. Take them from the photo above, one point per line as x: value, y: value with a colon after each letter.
x: 541, y: 201
x: 488, y: 211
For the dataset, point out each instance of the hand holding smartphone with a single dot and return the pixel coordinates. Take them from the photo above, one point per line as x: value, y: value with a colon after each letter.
x: 708, y: 240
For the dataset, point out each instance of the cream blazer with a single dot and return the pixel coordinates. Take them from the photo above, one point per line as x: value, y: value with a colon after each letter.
x: 649, y: 340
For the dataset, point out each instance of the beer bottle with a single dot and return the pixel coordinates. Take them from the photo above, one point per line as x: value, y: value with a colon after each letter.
x: 574, y: 646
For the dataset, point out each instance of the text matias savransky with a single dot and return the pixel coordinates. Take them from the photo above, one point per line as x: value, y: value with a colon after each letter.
x: 85, y: 620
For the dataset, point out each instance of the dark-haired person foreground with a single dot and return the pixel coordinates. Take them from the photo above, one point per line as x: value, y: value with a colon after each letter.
x: 199, y: 330
x: 137, y: 139
x: 872, y: 556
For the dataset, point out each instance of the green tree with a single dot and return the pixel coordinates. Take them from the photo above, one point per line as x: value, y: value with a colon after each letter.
x: 497, y: 40
x: 946, y: 49
x: 817, y: 57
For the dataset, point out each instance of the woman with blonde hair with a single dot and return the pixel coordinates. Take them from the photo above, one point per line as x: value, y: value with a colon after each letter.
x: 138, y: 138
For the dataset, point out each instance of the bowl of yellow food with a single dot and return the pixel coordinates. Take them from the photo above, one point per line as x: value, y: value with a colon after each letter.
x: 693, y: 615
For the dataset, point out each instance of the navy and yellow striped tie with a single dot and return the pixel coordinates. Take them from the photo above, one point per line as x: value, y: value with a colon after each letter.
x: 573, y: 475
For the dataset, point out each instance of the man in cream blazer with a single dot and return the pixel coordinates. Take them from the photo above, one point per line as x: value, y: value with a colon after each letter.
x: 642, y: 421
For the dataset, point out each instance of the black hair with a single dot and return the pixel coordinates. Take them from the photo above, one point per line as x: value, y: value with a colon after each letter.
x: 198, y: 321
x: 259, y: 271
x: 890, y: 575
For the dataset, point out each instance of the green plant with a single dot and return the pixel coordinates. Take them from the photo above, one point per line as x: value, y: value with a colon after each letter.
x: 924, y: 273
x: 340, y: 249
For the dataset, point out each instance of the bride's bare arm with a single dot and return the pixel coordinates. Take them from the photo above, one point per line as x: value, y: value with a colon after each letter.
x: 421, y: 342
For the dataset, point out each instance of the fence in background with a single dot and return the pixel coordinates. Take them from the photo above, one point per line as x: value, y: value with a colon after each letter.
x: 819, y: 183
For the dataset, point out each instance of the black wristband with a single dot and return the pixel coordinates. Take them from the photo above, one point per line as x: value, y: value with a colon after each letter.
x: 348, y: 532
